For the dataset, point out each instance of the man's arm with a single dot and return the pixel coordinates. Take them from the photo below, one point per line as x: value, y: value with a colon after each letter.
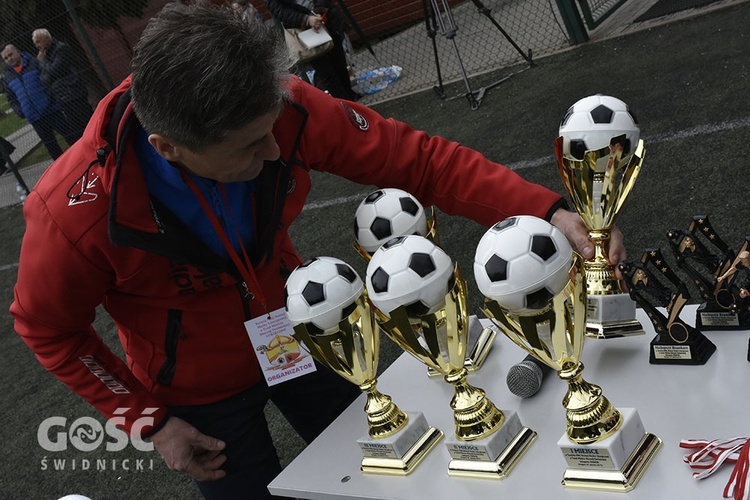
x: 14, y: 104
x: 456, y: 179
x: 56, y: 296
x: 59, y: 67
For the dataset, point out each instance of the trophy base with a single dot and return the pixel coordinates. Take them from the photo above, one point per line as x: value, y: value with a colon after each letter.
x: 401, y: 453
x: 713, y: 317
x: 481, y: 339
x: 493, y: 457
x: 695, y: 351
x: 611, y: 316
x: 616, y: 463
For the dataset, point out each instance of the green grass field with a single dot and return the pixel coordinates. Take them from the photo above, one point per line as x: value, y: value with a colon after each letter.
x: 687, y: 83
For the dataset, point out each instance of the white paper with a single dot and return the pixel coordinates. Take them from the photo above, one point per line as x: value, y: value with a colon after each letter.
x: 311, y: 38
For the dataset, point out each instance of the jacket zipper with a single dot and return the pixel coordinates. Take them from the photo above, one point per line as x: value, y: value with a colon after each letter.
x: 171, y: 338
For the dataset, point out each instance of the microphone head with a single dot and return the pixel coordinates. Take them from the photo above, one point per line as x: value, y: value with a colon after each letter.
x: 524, y: 379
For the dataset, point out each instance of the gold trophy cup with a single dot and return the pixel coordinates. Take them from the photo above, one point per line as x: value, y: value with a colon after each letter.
x: 389, y: 213
x: 605, y: 448
x: 396, y: 442
x: 598, y: 182
x: 487, y: 443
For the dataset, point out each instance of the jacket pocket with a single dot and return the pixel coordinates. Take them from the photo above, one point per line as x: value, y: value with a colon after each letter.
x: 171, y: 338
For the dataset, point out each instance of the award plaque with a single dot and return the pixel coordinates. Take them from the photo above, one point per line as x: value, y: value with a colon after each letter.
x: 396, y: 442
x: 725, y: 304
x: 487, y: 443
x: 604, y: 448
x: 598, y: 186
x: 676, y: 342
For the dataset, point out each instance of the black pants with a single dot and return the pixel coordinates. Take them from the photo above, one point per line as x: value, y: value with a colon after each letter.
x: 310, y: 403
x: 331, y: 73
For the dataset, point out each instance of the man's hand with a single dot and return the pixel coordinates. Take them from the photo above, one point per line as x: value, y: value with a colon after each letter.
x: 575, y: 230
x: 185, y: 449
x: 41, y: 55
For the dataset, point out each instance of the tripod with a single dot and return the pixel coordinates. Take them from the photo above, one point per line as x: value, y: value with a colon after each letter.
x: 438, y: 15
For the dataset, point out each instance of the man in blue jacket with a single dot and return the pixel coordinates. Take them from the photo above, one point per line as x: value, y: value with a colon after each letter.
x: 28, y: 98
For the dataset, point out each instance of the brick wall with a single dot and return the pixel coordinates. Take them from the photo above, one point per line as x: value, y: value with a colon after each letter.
x: 377, y: 17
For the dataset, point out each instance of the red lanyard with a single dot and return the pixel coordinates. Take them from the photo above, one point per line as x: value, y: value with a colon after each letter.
x: 251, y: 283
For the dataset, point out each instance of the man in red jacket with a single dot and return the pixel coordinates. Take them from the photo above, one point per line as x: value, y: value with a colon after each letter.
x: 172, y: 212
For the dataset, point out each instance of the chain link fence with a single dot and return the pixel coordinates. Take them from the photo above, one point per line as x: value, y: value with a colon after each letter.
x: 398, y: 47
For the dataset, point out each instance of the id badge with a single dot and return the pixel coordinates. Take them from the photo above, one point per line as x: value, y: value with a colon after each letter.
x: 279, y: 354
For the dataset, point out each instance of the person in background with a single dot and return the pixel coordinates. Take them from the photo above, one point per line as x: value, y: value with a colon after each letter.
x: 29, y: 99
x: 63, y: 81
x: 173, y: 213
x: 331, y: 72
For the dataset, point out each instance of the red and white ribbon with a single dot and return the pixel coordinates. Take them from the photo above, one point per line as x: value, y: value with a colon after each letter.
x: 709, y: 456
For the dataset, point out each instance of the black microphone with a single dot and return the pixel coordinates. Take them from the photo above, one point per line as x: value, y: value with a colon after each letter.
x: 525, y: 378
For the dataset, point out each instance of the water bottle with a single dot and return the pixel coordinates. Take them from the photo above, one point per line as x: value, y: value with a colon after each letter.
x: 377, y: 79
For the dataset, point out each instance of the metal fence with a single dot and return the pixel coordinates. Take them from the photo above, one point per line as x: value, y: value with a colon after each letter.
x: 456, y: 41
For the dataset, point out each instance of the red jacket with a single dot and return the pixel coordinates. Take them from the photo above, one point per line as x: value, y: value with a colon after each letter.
x: 178, y: 307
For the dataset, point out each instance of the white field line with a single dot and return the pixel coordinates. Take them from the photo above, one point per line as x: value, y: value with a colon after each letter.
x: 547, y: 160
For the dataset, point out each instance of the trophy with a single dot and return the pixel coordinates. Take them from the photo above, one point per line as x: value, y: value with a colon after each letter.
x: 676, y: 342
x: 604, y: 448
x: 388, y: 213
x: 725, y: 304
x: 420, y: 302
x: 599, y: 155
x: 328, y: 308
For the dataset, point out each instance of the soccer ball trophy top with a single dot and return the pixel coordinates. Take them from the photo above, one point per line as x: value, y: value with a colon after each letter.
x: 388, y: 213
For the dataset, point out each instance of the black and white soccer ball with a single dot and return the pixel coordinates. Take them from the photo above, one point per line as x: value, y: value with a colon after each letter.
x: 522, y: 262
x: 385, y: 214
x: 591, y: 124
x: 409, y: 271
x: 320, y: 292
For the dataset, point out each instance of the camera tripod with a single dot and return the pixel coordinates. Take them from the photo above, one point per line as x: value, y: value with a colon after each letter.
x: 438, y: 15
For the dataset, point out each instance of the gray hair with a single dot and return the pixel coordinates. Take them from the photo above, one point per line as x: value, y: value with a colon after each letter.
x: 43, y: 32
x: 200, y: 71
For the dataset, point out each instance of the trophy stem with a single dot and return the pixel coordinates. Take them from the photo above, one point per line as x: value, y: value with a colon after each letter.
x: 474, y: 414
x: 384, y: 418
x: 589, y: 415
x: 600, y: 273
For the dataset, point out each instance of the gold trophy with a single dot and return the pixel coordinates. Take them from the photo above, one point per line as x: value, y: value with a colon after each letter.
x: 420, y: 302
x: 331, y: 316
x: 605, y: 448
x: 593, y: 153
x: 389, y: 213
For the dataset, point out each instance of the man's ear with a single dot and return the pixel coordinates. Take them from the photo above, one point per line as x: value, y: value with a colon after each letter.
x: 166, y: 147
